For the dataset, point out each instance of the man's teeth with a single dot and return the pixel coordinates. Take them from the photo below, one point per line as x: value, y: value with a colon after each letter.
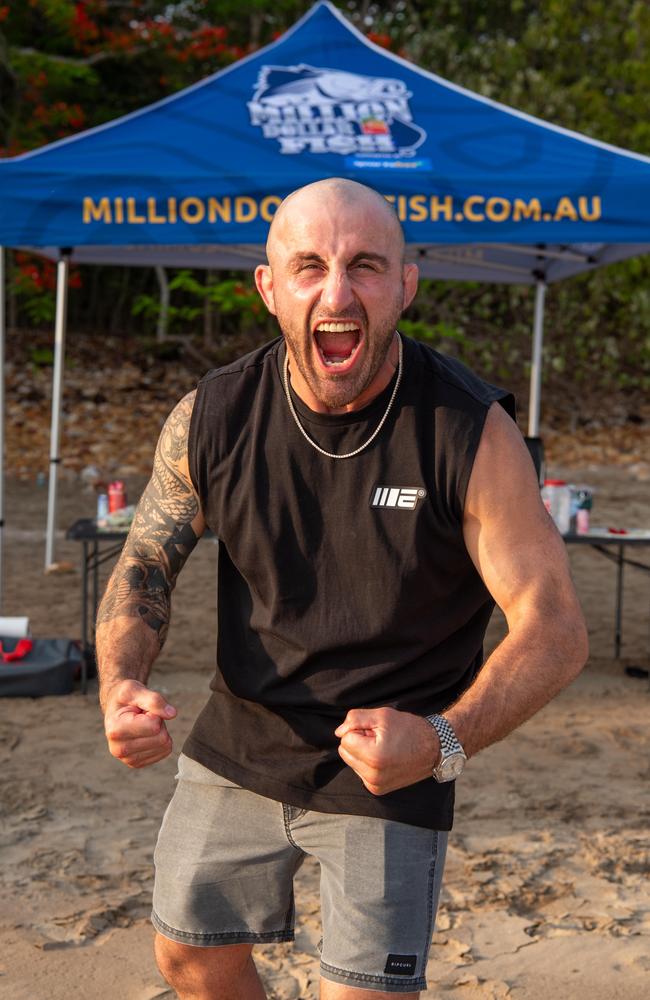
x: 337, y: 327
x: 347, y: 345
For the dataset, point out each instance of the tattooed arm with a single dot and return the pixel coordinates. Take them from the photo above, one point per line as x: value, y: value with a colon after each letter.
x: 134, y: 614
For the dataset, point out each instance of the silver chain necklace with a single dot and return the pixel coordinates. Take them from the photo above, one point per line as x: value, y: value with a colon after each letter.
x: 349, y: 454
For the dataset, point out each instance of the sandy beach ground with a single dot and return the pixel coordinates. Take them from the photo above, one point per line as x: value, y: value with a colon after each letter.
x: 546, y: 890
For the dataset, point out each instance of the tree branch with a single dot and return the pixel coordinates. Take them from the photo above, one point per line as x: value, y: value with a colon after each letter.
x: 78, y: 60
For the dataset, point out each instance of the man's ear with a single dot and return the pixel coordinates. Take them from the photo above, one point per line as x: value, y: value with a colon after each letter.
x: 264, y: 282
x: 410, y: 279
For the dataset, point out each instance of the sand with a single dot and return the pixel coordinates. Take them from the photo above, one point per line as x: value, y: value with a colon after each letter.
x: 546, y: 890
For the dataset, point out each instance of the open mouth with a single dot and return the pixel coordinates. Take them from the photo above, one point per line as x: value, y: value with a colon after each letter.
x: 337, y: 342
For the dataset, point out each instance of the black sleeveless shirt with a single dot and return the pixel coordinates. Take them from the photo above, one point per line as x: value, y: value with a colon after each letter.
x: 341, y: 583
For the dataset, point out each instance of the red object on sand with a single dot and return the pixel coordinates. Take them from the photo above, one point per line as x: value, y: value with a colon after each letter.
x: 21, y: 649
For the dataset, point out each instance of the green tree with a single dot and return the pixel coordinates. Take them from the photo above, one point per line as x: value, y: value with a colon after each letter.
x: 581, y: 64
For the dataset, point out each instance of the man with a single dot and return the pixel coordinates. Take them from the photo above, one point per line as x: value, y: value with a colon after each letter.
x: 372, y: 500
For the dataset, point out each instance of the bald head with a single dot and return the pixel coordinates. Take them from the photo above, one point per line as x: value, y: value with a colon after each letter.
x: 337, y: 195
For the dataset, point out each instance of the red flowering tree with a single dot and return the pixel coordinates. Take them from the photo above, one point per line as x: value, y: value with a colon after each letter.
x: 67, y: 65
x: 72, y: 65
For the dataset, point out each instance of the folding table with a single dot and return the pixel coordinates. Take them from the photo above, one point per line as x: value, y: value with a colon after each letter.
x: 612, y: 544
x: 99, y: 545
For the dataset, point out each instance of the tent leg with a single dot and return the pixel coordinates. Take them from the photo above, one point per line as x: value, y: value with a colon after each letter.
x: 62, y: 269
x: 2, y: 419
x: 536, y: 363
x: 163, y: 315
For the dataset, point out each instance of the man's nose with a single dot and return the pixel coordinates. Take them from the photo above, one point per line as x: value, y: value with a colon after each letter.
x: 337, y: 292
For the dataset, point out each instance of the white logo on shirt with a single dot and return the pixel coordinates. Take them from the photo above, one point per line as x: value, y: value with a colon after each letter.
x: 402, y: 497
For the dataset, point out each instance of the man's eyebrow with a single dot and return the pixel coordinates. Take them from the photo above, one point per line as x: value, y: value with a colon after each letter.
x: 300, y: 258
x: 369, y: 255
x: 377, y: 258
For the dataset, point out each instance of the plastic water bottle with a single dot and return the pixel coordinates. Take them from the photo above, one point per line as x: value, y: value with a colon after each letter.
x: 102, y: 509
x: 556, y: 496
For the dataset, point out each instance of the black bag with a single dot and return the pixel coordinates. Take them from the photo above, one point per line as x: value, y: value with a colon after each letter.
x: 32, y: 668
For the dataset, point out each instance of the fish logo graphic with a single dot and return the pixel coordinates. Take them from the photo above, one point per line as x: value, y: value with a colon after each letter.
x: 308, y: 109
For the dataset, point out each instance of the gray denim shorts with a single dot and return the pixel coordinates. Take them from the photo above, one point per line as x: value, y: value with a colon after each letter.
x: 225, y: 862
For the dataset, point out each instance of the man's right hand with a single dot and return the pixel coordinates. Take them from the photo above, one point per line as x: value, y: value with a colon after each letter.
x: 134, y: 723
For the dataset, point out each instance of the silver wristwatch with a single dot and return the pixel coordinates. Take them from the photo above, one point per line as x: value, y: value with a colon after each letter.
x: 452, y: 755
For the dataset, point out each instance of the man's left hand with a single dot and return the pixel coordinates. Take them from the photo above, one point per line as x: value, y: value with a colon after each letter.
x: 388, y: 749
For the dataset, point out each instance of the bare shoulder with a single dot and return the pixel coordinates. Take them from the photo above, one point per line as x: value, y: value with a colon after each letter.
x: 503, y: 465
x: 169, y: 503
x: 508, y: 533
x: 503, y: 486
x: 174, y: 437
x: 166, y: 526
x: 170, y: 500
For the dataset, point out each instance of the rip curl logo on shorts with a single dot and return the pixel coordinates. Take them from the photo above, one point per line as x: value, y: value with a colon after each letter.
x: 310, y: 109
x: 397, y: 497
x: 401, y: 965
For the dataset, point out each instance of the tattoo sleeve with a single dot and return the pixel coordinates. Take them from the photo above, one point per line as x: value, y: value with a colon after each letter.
x: 165, y: 529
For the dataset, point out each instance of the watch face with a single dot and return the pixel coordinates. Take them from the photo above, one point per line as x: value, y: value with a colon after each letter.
x: 452, y: 766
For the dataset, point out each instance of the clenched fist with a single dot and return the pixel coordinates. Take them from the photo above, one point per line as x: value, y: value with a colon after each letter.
x: 388, y: 749
x: 134, y: 724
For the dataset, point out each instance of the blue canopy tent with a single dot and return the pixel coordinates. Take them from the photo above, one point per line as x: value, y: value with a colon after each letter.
x: 484, y: 192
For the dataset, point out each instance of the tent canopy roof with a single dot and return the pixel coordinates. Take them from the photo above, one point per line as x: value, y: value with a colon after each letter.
x: 483, y: 191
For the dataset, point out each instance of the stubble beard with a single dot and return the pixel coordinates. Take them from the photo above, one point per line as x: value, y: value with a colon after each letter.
x: 335, y: 391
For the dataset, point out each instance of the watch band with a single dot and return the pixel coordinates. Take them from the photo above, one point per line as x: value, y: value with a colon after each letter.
x: 449, y: 742
x: 452, y: 756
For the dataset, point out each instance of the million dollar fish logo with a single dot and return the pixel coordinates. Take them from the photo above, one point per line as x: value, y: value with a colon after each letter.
x: 311, y: 110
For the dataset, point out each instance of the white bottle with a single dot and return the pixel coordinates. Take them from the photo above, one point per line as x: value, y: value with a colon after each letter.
x: 556, y: 496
